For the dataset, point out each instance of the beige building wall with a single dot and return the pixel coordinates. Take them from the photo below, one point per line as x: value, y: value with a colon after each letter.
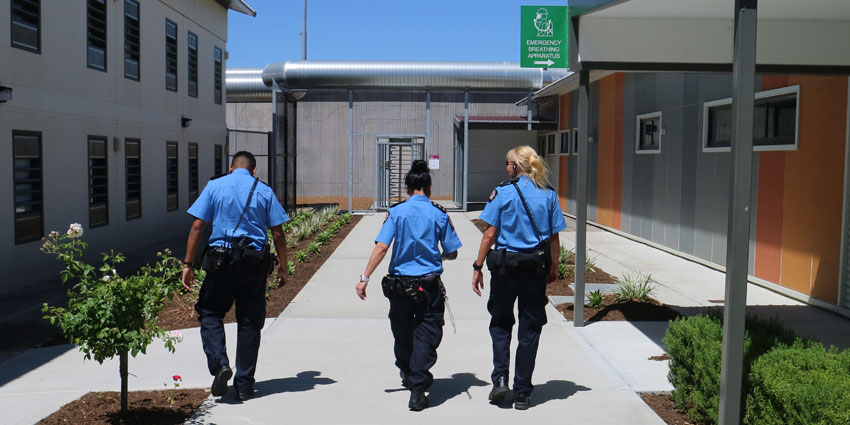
x: 56, y: 94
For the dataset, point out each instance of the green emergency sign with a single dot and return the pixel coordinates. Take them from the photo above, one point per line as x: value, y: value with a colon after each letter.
x: 545, y: 32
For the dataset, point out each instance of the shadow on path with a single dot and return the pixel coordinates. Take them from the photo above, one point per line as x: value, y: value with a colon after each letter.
x: 445, y: 389
x: 555, y: 390
x: 303, y: 381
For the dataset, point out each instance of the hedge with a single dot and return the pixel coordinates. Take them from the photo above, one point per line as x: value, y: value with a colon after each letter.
x: 802, y: 384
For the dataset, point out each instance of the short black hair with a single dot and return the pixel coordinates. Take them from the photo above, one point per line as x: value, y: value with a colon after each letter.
x: 248, y: 156
x: 419, y: 176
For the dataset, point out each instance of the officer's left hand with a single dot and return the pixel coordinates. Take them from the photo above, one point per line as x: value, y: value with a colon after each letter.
x: 553, y: 274
x: 281, y: 277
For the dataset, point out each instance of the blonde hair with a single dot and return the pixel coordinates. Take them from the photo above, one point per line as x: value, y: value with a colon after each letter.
x: 528, y: 162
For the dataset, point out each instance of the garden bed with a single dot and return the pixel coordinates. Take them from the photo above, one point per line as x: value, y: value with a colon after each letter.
x: 664, y: 407
x: 144, y: 407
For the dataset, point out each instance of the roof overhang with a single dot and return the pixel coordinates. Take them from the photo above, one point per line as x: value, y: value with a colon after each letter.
x: 563, y: 86
x: 793, y: 36
x: 239, y: 6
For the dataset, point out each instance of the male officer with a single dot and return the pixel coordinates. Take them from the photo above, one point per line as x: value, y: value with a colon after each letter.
x: 237, y: 262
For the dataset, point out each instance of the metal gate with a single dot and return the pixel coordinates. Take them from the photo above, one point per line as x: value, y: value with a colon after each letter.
x: 394, y: 158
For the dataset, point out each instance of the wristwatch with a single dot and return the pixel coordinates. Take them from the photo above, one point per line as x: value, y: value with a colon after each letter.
x: 187, y: 264
x: 364, y: 279
x: 477, y: 267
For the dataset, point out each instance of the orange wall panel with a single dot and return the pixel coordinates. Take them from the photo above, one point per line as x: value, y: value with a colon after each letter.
x: 610, y: 145
x: 812, y: 199
x: 564, y: 112
x: 619, y: 90
x: 563, y: 164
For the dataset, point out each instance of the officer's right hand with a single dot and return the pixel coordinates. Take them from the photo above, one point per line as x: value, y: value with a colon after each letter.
x: 188, y: 278
x: 361, y: 289
x: 477, y: 281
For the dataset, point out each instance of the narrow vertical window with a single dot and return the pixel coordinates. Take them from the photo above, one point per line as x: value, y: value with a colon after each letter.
x: 171, y: 182
x: 551, y: 145
x: 132, y: 40
x: 98, y: 182
x: 218, y: 163
x: 565, y: 142
x: 133, y: 170
x: 96, y: 34
x: 193, y: 172
x: 170, y: 55
x: 26, y: 25
x: 29, y: 219
x: 193, y: 65
x: 218, y: 67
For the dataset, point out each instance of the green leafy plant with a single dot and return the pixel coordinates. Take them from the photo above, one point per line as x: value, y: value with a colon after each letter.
x: 563, y: 270
x: 301, y: 256
x: 109, y: 314
x: 324, y: 237
x: 589, y: 262
x: 634, y: 287
x: 564, y: 255
x: 594, y: 299
x: 290, y: 268
x: 313, y: 247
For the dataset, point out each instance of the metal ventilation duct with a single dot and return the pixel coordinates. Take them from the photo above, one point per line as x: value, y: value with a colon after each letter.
x: 410, y: 75
x: 246, y: 85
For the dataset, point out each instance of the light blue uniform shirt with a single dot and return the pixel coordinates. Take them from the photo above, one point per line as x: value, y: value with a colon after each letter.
x: 221, y: 204
x: 417, y: 227
x: 506, y: 213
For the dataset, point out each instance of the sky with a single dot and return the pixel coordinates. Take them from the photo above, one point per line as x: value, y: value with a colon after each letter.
x: 408, y: 30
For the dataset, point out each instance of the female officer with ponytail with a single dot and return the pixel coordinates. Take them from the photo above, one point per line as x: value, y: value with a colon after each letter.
x: 524, y: 219
x: 413, y: 286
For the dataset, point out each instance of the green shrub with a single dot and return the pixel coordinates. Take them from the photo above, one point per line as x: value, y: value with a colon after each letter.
x: 564, y: 255
x: 634, y: 287
x: 695, y: 346
x: 562, y: 271
x: 324, y: 237
x: 594, y: 299
x: 313, y: 247
x: 802, y: 384
x: 589, y: 263
x: 301, y: 256
x: 290, y: 268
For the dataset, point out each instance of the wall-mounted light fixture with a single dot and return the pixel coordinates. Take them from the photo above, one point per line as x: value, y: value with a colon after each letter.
x: 184, y: 122
x: 5, y: 94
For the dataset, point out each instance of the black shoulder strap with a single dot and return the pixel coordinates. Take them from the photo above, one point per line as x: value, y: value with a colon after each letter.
x: 247, y: 204
x: 439, y: 207
x: 528, y: 211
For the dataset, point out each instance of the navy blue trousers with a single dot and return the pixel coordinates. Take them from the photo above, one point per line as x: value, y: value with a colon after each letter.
x: 245, y: 285
x: 529, y: 289
x: 418, y: 331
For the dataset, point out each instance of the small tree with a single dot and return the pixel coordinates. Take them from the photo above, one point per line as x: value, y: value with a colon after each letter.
x: 108, y: 314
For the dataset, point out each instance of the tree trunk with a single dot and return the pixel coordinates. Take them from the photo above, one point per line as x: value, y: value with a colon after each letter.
x: 124, y: 374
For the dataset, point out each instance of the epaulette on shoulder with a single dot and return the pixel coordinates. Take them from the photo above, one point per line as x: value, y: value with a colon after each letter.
x: 398, y: 203
x: 438, y: 206
x: 267, y: 185
x: 216, y: 177
x: 508, y: 182
x: 551, y: 188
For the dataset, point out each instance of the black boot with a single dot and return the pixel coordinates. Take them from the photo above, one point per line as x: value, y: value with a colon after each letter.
x: 418, y: 400
x: 500, y: 390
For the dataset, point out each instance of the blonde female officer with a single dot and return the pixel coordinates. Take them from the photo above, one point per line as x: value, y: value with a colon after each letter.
x: 524, y: 219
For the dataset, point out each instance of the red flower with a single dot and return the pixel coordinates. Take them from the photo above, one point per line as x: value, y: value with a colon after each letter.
x: 176, y: 378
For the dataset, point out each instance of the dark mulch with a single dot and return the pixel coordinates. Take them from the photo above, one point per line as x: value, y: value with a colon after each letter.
x: 144, y: 407
x: 632, y: 311
x: 180, y: 313
x: 664, y: 407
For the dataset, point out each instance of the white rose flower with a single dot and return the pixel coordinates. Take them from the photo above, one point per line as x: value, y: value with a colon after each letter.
x: 106, y: 278
x: 114, y: 272
x: 176, y: 335
x: 75, y: 230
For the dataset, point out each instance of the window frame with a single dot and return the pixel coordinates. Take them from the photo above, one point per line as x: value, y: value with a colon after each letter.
x: 189, y: 63
x: 105, y: 39
x: 127, y: 182
x: 218, y: 160
x: 128, y: 44
x: 574, y: 143
x: 38, y: 135
x: 638, y: 119
x: 175, y: 59
x: 569, y: 133
x: 91, y: 178
x: 18, y: 45
x: 168, y: 184
x: 218, y: 75
x: 766, y: 94
x: 193, y: 171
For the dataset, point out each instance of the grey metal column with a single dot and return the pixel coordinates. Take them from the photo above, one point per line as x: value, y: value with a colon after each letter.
x: 465, y: 148
x: 273, y: 171
x: 581, y: 185
x: 738, y: 234
x: 350, y: 150
x: 528, y: 108
x: 427, y: 125
x: 304, y: 35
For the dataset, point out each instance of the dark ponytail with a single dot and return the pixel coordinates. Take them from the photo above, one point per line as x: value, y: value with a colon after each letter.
x: 419, y: 176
